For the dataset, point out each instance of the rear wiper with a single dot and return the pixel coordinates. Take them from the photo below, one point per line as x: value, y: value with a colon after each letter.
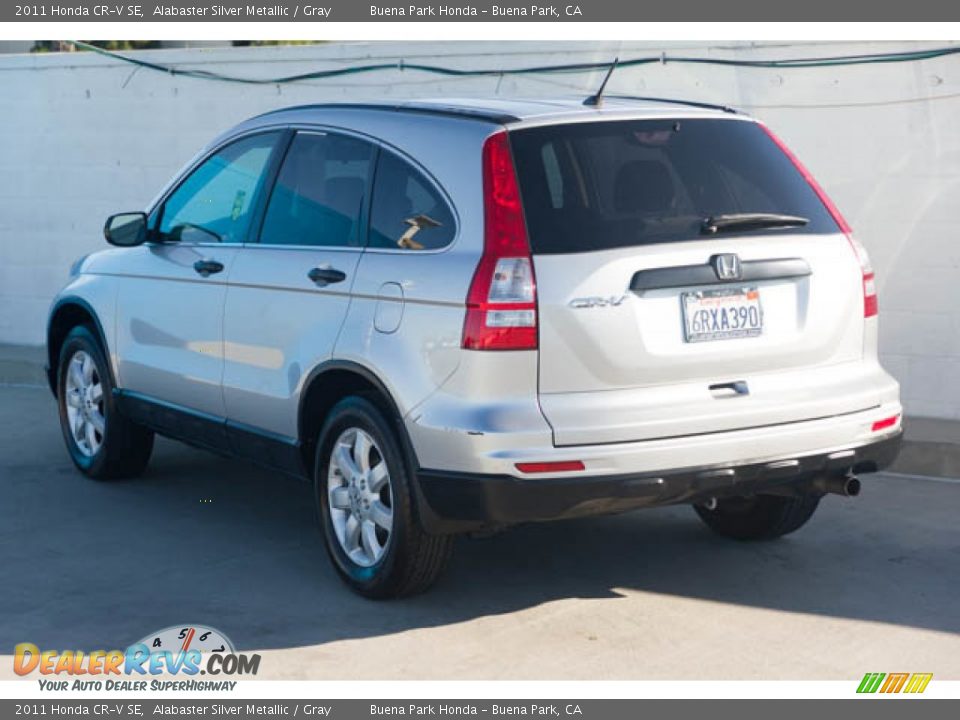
x: 749, y: 221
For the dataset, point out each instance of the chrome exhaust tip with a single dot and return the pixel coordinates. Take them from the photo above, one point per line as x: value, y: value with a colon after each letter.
x: 852, y: 486
x: 847, y: 485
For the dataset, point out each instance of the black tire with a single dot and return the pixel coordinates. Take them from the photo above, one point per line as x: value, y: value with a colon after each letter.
x: 125, y: 447
x: 412, y: 560
x: 759, y: 517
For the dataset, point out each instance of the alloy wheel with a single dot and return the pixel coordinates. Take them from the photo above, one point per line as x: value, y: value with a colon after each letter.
x: 360, y: 497
x: 84, y: 403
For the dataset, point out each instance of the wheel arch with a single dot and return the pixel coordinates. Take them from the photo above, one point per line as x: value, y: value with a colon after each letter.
x: 330, y: 382
x: 66, y: 314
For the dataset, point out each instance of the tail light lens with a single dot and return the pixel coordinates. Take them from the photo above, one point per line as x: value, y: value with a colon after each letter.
x: 884, y: 424
x: 556, y: 466
x: 502, y: 300
x: 869, y: 279
x: 866, y: 269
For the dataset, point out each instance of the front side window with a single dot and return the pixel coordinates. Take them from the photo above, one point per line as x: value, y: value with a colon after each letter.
x: 319, y: 193
x: 215, y: 203
x: 407, y: 211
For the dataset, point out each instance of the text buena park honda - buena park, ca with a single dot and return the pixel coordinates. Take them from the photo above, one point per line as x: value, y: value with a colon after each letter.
x: 469, y: 709
x: 471, y: 11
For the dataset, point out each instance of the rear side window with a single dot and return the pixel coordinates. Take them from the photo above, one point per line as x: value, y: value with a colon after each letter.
x: 408, y: 212
x: 319, y: 192
x: 604, y: 185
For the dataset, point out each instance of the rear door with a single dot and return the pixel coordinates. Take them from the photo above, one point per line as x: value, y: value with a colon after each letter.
x: 689, y: 281
x: 289, y: 292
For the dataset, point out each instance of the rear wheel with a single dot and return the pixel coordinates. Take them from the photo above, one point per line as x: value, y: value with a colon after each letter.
x: 102, y: 443
x: 363, y: 495
x: 758, y: 517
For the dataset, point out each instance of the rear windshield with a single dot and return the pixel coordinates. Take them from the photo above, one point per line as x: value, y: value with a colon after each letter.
x: 603, y: 185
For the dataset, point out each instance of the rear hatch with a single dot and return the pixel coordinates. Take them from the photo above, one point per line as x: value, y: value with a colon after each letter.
x: 689, y: 280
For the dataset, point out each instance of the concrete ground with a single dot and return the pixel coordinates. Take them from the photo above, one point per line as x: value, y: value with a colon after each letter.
x: 871, y: 584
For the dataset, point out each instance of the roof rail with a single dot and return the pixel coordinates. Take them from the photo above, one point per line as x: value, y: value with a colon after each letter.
x: 442, y: 110
x: 675, y: 101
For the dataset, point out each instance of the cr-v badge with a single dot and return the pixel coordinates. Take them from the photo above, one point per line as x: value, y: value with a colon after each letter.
x: 591, y: 302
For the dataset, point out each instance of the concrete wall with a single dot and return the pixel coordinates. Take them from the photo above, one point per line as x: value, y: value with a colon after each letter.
x: 84, y: 136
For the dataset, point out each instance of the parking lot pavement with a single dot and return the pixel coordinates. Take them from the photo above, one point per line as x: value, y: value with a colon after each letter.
x: 871, y: 584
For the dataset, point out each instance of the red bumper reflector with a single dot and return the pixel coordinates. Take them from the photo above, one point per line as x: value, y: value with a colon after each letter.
x: 545, y: 467
x: 884, y: 424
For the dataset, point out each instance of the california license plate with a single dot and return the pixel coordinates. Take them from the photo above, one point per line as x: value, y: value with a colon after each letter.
x: 721, y: 314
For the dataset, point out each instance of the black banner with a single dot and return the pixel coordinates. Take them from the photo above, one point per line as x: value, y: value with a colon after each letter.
x: 122, y: 709
x: 320, y: 11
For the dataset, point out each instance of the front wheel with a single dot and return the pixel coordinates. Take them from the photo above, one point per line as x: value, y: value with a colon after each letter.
x: 758, y: 517
x: 363, y: 495
x: 102, y: 443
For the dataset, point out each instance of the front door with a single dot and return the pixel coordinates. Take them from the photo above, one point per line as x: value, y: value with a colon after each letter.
x: 170, y: 300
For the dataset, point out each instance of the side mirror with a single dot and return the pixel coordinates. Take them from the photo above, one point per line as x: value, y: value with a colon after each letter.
x: 126, y: 229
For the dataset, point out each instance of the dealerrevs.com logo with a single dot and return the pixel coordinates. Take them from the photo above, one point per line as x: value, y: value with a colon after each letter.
x: 184, y: 650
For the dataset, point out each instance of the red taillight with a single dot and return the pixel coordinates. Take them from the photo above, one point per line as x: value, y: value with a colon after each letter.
x: 866, y: 270
x: 502, y: 300
x: 545, y: 467
x: 870, y: 304
x: 869, y: 279
x: 884, y: 424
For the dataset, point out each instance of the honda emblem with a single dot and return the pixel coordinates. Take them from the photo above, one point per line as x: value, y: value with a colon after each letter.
x: 727, y: 266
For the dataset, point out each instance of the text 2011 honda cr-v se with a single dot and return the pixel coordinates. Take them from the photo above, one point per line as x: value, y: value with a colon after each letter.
x: 461, y: 315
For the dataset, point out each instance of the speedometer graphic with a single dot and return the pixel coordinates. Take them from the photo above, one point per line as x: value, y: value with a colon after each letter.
x: 181, y: 638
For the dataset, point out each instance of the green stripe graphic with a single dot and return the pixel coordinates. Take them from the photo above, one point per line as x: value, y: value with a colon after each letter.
x: 871, y: 682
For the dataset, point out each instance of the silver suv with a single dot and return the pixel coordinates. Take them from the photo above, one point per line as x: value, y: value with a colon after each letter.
x: 458, y: 316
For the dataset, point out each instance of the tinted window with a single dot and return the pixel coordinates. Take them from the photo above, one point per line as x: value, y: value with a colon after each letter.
x: 215, y: 202
x: 594, y: 186
x: 407, y: 210
x: 319, y: 192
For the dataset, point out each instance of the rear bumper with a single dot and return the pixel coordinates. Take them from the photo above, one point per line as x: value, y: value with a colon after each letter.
x: 456, y: 502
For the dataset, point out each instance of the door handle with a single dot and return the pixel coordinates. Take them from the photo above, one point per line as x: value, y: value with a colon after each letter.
x: 324, y: 276
x: 207, y: 267
x: 730, y: 389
